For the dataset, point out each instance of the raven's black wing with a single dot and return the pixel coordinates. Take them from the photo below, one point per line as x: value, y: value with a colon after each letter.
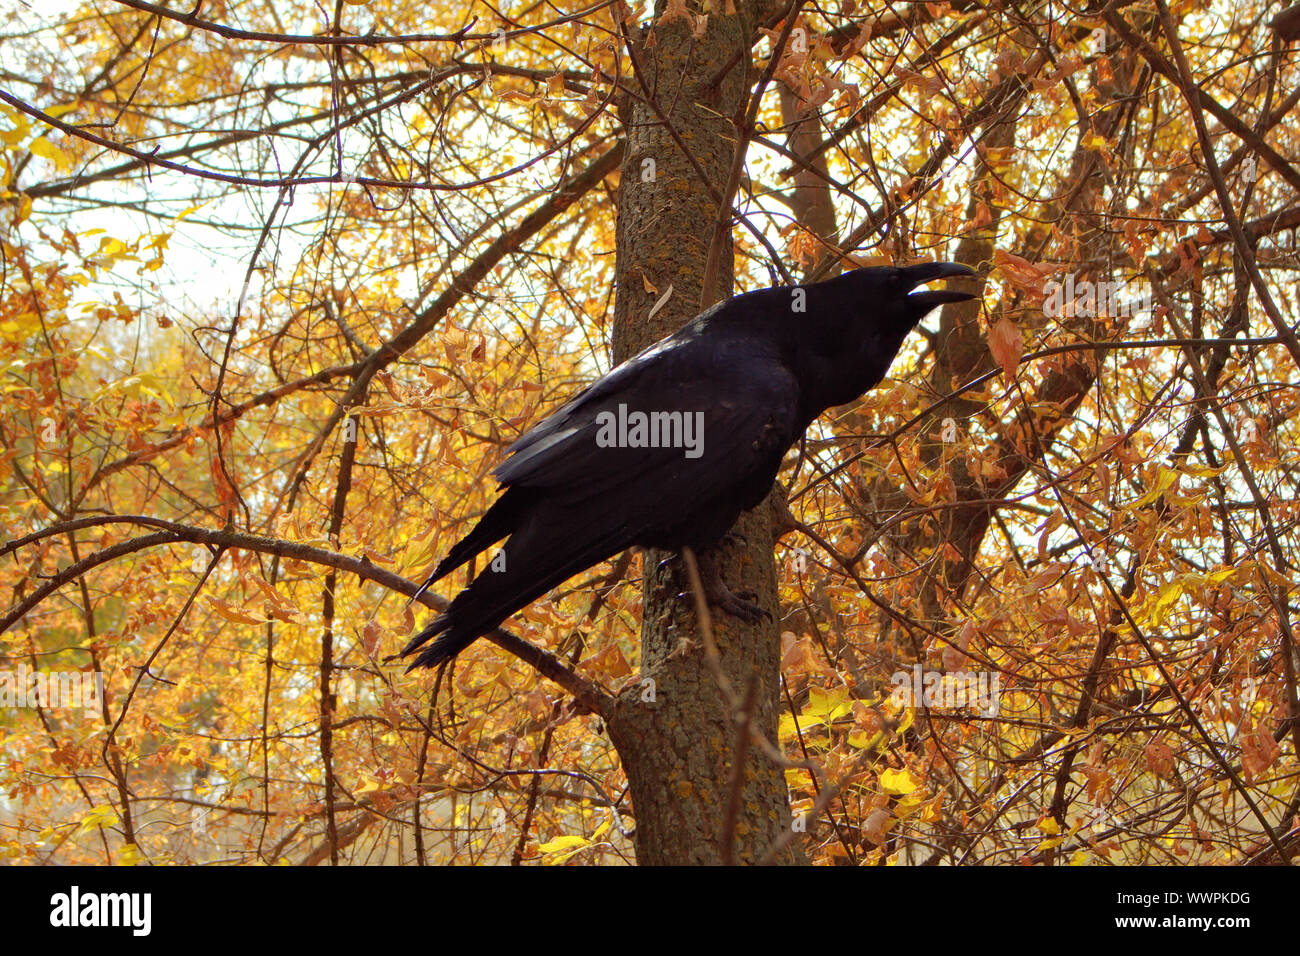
x: 733, y: 397
x: 577, y: 502
x: 686, y: 350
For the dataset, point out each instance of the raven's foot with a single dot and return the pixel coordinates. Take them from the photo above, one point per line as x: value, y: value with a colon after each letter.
x: 733, y: 537
x: 739, y: 604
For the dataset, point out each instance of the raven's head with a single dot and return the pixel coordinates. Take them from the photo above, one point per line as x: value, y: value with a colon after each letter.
x: 858, y: 322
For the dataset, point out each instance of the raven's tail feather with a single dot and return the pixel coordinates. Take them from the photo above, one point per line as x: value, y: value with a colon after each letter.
x: 494, y: 595
x: 499, y: 520
x: 443, y: 649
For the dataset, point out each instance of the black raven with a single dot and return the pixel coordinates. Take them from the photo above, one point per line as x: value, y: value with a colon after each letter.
x: 668, y: 448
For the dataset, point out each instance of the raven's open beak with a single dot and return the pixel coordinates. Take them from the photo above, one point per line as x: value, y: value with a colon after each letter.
x: 928, y: 272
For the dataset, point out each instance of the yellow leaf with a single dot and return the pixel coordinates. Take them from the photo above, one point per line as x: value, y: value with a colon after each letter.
x: 825, y: 706
x: 43, y: 148
x: 1095, y: 141
x: 127, y: 855
x: 907, y: 720
x: 1218, y: 577
x: 564, y: 847
x: 1165, y: 478
x: 1167, y: 597
x: 898, y: 782
x: 12, y: 137
x: 21, y: 326
x: 569, y: 842
x: 99, y: 816
x: 195, y: 208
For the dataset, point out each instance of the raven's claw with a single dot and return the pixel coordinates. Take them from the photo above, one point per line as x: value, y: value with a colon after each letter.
x: 734, y: 605
x: 734, y: 537
x: 733, y: 602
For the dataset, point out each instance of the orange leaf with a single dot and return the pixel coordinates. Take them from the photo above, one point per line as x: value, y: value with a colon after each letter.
x: 234, y: 614
x: 1258, y: 751
x: 1007, y: 345
x: 1021, y: 272
x: 1160, y: 758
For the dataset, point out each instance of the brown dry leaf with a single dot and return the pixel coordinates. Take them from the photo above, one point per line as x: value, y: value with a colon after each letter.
x: 276, y: 606
x: 612, y: 663
x: 1258, y: 751
x: 234, y: 614
x: 675, y: 10
x: 1020, y: 272
x: 1160, y: 758
x: 370, y: 636
x: 1054, y: 521
x: 791, y: 651
x: 873, y: 828
x: 865, y: 262
x: 954, y: 655
x: 1007, y: 345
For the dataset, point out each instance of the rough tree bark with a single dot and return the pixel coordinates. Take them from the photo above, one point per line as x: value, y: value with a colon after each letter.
x: 678, y: 737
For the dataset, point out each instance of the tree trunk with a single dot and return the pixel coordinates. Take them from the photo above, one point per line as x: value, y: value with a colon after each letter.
x: 676, y: 733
